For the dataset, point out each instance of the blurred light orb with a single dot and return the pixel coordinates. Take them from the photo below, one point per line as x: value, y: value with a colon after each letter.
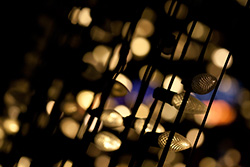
x: 84, y: 98
x: 84, y: 17
x: 122, y: 86
x: 192, y: 134
x: 68, y: 163
x: 107, y: 141
x: 144, y: 28
x: 177, y: 85
x: 123, y: 110
x: 169, y: 113
x: 69, y: 127
x: 140, y: 47
x: 156, y: 78
x: 11, y: 126
x: 221, y: 113
x: 24, y: 162
x: 111, y: 119
x: 142, y: 111
x: 219, y: 57
x: 232, y: 157
x: 73, y: 15
x: 102, y: 161
x: 101, y: 55
x: 208, y: 162
x: 50, y: 106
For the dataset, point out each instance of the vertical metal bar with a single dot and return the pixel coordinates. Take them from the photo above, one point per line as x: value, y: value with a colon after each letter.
x: 208, y: 109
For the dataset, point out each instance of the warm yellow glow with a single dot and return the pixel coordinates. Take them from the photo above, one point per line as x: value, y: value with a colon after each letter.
x: 219, y: 57
x: 2, y: 133
x: 68, y: 163
x: 102, y: 161
x: 73, y: 15
x: 139, y: 125
x: 50, y: 106
x: 69, y: 107
x: 11, y: 126
x: 107, y: 141
x: 84, y: 98
x: 101, y: 55
x: 24, y: 162
x: 149, y: 14
x: 192, y: 134
x: 156, y: 78
x: 144, y: 28
x: 177, y: 85
x: 124, y: 111
x: 232, y: 157
x: 84, y: 17
x: 169, y: 113
x: 182, y: 11
x: 100, y: 35
x: 200, y: 32
x: 140, y: 47
x: 122, y: 86
x: 142, y: 112
x: 69, y: 127
x: 179, y: 164
x: 111, y: 118
x: 208, y: 162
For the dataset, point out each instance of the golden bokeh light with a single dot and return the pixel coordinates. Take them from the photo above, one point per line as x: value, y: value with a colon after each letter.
x: 144, y: 28
x: 122, y: 86
x: 123, y: 110
x: 11, y: 126
x: 192, y: 134
x: 208, y: 162
x: 84, y: 17
x: 219, y: 57
x: 69, y: 127
x: 101, y: 54
x: 140, y: 47
x: 102, y: 161
x: 142, y: 111
x: 84, y: 98
x: 107, y: 141
x: 24, y: 162
x: 73, y: 15
x: 50, y: 106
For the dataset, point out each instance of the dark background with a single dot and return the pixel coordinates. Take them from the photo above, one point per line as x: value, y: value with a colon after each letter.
x: 22, y: 28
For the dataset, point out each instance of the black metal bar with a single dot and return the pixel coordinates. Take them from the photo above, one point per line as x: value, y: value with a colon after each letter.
x: 207, y: 112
